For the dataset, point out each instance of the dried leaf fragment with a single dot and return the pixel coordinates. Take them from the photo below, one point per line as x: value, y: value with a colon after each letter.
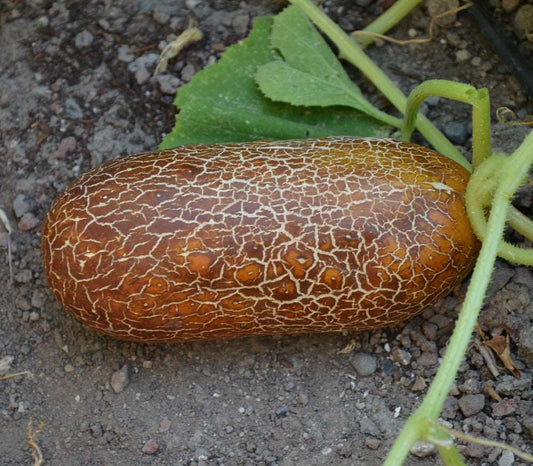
x: 501, y: 346
x: 189, y: 36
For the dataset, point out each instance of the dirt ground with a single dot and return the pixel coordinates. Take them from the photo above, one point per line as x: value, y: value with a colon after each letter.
x: 71, y: 95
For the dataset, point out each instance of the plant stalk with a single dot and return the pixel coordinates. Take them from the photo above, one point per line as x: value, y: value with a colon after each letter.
x: 355, y: 55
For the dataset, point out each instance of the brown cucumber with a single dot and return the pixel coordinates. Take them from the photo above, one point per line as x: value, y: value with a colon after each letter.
x: 261, y: 238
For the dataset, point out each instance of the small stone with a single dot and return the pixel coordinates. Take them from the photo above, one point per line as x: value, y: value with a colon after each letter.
x: 365, y: 364
x: 505, y: 407
x: 120, y: 379
x: 28, y: 222
x: 282, y: 411
x: 470, y: 386
x: 147, y: 61
x: 142, y: 75
x: 367, y: 426
x: 429, y: 330
x: 509, y: 385
x: 457, y: 132
x: 363, y: 3
x: 192, y: 4
x: 124, y: 54
x: 427, y: 359
x: 449, y: 409
x: 401, y: 356
x: 510, y: 5
x: 528, y: 424
x: 164, y: 425
x: 507, y: 458
x: 151, y: 447
x: 188, y: 72
x: 523, y: 21
x: 240, y: 24
x: 525, y: 344
x: 161, y: 16
x: 73, y: 110
x: 104, y: 24
x: 34, y: 316
x: 68, y: 368
x: 147, y: 364
x: 37, y: 299
x: 21, y: 205
x: 419, y: 385
x: 96, y: 430
x: 372, y: 442
x: 5, y: 364
x: 471, y: 404
x: 436, y: 7
x: 167, y: 83
x: 83, y: 39
x: 462, y: 56
x: 423, y: 449
x: 66, y: 146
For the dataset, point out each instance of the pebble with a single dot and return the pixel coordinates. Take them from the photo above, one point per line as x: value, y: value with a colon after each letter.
x: 523, y: 21
x: 525, y: 344
x: 73, y: 110
x: 429, y: 330
x: 470, y: 386
x: 188, y: 72
x: 436, y: 7
x: 401, y: 356
x: 147, y: 61
x: 363, y: 3
x: 37, y: 299
x: 5, y: 363
x: 500, y: 277
x: 509, y: 385
x: 142, y: 76
x: 21, y: 205
x: 462, y: 56
x: 419, y: 385
x: 457, y: 132
x: 151, y: 447
x: 68, y: 368
x: 507, y: 458
x: 167, y: 83
x: 28, y: 222
x: 367, y: 426
x: 372, y: 442
x: 282, y: 411
x: 449, y: 409
x: 120, y: 379
x: 423, y: 449
x: 124, y: 54
x: 240, y: 24
x: 66, y: 146
x: 510, y: 5
x: 365, y: 364
x: 164, y: 425
x: 427, y: 359
x: 471, y: 404
x: 505, y: 407
x: 83, y: 39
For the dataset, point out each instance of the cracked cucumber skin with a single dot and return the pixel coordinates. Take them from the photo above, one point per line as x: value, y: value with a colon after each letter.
x: 261, y: 238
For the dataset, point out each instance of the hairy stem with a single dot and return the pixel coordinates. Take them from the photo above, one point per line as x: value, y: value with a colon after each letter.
x: 353, y: 53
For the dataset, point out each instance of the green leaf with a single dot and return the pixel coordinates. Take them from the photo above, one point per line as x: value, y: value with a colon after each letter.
x: 223, y: 103
x: 283, y: 83
x: 309, y: 74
